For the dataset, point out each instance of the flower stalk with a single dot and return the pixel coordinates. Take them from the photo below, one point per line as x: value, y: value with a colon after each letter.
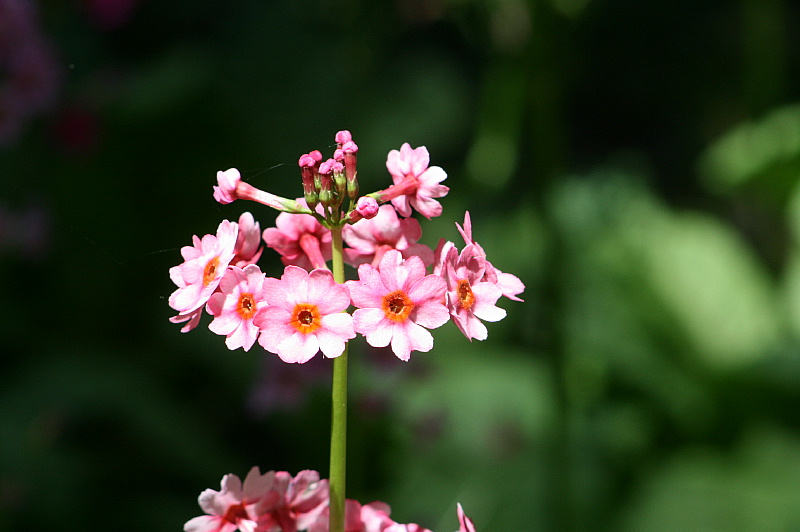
x: 338, y: 407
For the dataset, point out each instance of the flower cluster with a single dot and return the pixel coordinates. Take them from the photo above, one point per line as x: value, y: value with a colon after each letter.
x: 403, y: 290
x: 278, y: 502
x: 397, y: 300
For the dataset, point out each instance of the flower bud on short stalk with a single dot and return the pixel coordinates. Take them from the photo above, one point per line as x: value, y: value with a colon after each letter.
x: 350, y: 150
x: 308, y: 167
x: 326, y: 191
x: 231, y: 187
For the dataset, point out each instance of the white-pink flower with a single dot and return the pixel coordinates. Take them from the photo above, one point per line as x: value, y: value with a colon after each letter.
x: 416, y: 183
x: 300, y: 239
x: 235, y: 506
x: 304, y: 315
x: 204, y: 265
x: 369, y: 239
x: 397, y: 303
x: 236, y: 304
x: 470, y: 299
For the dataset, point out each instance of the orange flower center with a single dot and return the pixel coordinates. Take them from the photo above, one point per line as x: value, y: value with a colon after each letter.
x: 397, y: 306
x: 246, y: 307
x: 210, y: 271
x: 306, y: 318
x: 465, y: 295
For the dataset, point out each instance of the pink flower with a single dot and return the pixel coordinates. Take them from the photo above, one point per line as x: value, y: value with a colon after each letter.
x: 236, y: 304
x: 464, y: 521
x: 247, y: 250
x: 397, y: 303
x: 234, y: 507
x: 293, y: 503
x: 204, y: 265
x: 509, y: 284
x: 370, y: 239
x: 304, y: 315
x: 470, y: 299
x: 300, y: 239
x: 415, y: 183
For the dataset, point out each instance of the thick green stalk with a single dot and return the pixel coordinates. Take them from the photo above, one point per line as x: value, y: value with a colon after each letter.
x: 338, y: 410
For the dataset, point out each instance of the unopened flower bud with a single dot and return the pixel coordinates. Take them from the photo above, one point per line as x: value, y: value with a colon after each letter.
x: 308, y: 166
x: 367, y: 207
x: 326, y: 193
x: 350, y: 150
x: 342, y: 137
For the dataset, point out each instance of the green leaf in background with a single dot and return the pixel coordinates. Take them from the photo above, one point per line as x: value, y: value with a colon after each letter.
x: 754, y: 487
x: 767, y: 150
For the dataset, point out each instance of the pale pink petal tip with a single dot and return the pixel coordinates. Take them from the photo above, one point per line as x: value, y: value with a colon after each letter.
x: 227, y: 181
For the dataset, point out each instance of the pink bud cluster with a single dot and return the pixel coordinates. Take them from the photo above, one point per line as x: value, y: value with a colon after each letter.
x: 278, y: 502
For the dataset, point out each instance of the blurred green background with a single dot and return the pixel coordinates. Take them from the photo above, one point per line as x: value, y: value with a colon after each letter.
x: 637, y: 164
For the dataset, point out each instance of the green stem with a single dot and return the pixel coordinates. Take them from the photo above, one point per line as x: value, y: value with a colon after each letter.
x: 338, y: 410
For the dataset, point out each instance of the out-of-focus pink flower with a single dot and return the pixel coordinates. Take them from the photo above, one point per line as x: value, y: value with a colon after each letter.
x: 415, y: 183
x: 509, y: 284
x: 469, y: 298
x: 29, y: 73
x: 287, y: 387
x: 397, y: 527
x: 235, y: 306
x: 397, y: 303
x: 294, y: 503
x: 304, y: 315
x: 204, y: 265
x: 465, y: 522
x: 234, y: 507
x: 372, y: 517
x: 247, y: 250
x: 300, y: 239
x: 369, y: 239
x: 110, y: 14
